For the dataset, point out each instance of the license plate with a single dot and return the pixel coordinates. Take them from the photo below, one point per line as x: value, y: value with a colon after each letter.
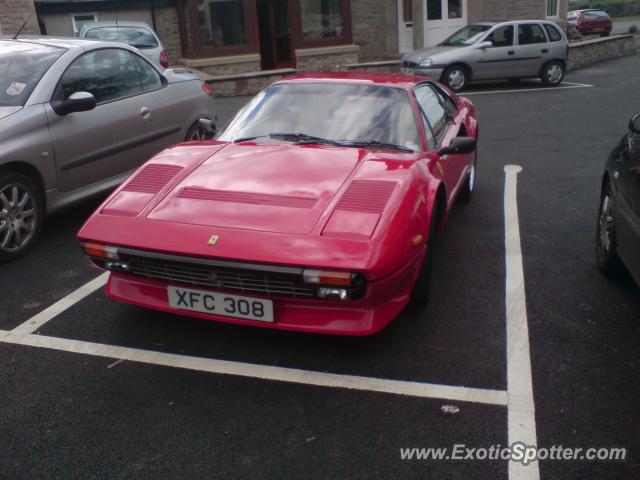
x: 407, y: 71
x: 221, y: 304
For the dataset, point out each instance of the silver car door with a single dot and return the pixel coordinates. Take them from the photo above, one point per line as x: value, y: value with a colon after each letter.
x: 496, y: 61
x: 113, y: 138
x: 532, y: 49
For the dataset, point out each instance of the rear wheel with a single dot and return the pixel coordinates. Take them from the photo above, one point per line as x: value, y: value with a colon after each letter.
x: 455, y: 77
x: 553, y: 73
x: 420, y: 290
x: 196, y: 133
x: 607, y: 257
x: 21, y: 212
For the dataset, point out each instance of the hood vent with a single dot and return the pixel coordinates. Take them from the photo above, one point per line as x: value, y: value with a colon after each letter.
x: 230, y: 196
x: 152, y: 178
x: 367, y: 196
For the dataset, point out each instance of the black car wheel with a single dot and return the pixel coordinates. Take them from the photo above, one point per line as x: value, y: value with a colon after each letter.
x: 607, y: 257
x: 21, y: 212
x: 420, y: 291
x: 553, y: 73
x: 466, y: 193
x: 196, y: 133
x: 455, y: 77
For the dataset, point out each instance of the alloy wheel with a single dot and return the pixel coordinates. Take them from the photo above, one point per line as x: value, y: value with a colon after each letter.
x: 18, y: 217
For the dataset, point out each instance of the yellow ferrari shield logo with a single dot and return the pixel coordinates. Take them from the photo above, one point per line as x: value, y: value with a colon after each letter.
x: 213, y: 240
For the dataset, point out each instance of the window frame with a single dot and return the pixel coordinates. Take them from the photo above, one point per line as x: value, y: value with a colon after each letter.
x: 59, y: 95
x: 542, y: 29
x: 491, y: 31
x: 425, y: 119
x: 75, y: 28
x: 297, y: 30
x: 549, y: 26
x: 557, y: 9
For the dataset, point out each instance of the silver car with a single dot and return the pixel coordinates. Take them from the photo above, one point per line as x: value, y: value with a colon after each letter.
x: 137, y: 34
x: 485, y: 51
x: 76, y: 117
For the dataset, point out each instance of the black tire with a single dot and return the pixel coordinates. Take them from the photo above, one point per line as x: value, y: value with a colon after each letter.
x: 196, y: 134
x: 553, y: 73
x: 456, y: 77
x: 605, y: 34
x: 420, y: 291
x: 466, y: 192
x: 21, y: 220
x: 607, y: 257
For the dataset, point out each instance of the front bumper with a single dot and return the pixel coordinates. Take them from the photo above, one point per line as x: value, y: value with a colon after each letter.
x: 431, y: 72
x: 382, y: 302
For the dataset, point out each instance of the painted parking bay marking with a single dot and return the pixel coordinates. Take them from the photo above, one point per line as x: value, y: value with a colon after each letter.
x: 569, y: 86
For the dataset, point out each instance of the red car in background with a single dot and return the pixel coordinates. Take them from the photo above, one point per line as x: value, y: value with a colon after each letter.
x: 590, y: 21
x: 315, y: 210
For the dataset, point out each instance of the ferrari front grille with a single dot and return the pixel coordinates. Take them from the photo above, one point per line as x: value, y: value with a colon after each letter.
x: 221, y: 278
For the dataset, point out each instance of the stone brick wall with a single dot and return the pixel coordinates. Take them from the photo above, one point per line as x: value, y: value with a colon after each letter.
x: 169, y: 32
x: 375, y: 27
x: 587, y: 52
x: 328, y: 61
x: 217, y: 66
x: 501, y: 10
x: 13, y: 13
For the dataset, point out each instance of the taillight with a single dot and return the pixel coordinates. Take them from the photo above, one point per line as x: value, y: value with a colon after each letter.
x: 164, y: 59
x: 206, y: 88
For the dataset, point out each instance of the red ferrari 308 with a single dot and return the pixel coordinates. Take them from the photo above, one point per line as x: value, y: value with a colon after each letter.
x: 316, y: 209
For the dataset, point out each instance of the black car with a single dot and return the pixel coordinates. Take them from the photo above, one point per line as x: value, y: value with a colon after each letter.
x: 618, y: 238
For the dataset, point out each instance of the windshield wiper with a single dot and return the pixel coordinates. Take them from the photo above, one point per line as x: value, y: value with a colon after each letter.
x: 299, y: 138
x: 374, y: 144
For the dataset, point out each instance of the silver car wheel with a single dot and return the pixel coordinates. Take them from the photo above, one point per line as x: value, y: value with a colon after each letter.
x: 196, y: 134
x: 18, y: 217
x: 606, y: 224
x: 456, y: 79
x: 554, y: 73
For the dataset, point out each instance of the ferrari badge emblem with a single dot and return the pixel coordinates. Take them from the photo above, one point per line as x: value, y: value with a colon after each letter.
x: 213, y: 240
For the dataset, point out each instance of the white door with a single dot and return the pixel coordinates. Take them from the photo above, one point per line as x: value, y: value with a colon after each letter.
x: 405, y: 26
x: 443, y: 17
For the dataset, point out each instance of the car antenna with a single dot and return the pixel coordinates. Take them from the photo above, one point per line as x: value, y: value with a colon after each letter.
x: 23, y: 25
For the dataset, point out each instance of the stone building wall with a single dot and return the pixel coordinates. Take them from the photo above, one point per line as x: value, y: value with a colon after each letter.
x: 374, y: 26
x: 168, y: 30
x: 13, y: 13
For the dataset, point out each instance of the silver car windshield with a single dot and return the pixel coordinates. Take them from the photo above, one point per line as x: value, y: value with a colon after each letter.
x: 466, y: 35
x: 136, y: 37
x: 343, y: 113
x: 22, y: 65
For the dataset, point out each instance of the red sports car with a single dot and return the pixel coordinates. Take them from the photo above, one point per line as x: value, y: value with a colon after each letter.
x: 316, y: 209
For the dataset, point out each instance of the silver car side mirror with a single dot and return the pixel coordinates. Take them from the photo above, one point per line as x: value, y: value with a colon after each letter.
x: 634, y: 123
x: 485, y: 44
x: 77, y: 102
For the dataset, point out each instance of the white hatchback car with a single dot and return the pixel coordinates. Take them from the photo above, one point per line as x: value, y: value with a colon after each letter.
x: 137, y: 34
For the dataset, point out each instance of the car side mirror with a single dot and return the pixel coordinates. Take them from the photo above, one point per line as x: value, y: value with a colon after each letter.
x: 459, y: 145
x: 77, y: 102
x: 208, y: 126
x: 634, y: 123
x: 485, y: 44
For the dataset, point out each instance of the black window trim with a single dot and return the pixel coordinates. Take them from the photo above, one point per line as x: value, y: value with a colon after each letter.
x: 544, y: 33
x: 498, y: 27
x: 57, y: 92
x: 434, y: 89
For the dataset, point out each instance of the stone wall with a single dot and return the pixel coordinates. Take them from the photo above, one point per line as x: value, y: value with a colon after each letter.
x: 501, y: 10
x: 168, y: 30
x: 587, y: 52
x: 13, y: 13
x: 326, y: 58
x: 374, y: 26
x: 231, y: 65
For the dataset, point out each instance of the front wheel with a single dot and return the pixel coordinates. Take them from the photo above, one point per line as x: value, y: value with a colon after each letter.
x: 607, y: 257
x: 455, y: 77
x: 420, y: 291
x: 553, y: 73
x: 21, y: 212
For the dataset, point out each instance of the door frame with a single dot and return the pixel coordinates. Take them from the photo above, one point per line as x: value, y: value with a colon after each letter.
x: 402, y: 48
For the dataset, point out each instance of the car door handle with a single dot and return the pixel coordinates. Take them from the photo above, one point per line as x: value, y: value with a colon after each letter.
x: 545, y: 50
x: 145, y: 113
x: 511, y: 52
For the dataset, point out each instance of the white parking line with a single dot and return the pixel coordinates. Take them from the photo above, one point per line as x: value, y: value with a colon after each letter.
x: 60, y: 306
x: 569, y: 86
x: 521, y: 408
x: 264, y: 372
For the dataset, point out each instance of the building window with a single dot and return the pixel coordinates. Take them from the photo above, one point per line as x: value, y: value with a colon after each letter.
x: 222, y: 22
x: 552, y: 8
x: 79, y: 19
x: 321, y: 19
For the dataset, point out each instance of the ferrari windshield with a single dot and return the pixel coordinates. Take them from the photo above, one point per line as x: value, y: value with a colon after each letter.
x: 349, y: 114
x: 466, y: 35
x: 22, y: 65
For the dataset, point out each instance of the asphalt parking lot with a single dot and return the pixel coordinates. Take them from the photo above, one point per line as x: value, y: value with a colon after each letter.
x: 96, y: 389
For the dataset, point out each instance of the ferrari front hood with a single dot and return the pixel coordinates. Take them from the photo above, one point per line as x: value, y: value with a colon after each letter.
x: 280, y: 188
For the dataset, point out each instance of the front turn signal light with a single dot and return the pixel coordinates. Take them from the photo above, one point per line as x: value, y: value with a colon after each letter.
x: 97, y: 250
x: 326, y: 277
